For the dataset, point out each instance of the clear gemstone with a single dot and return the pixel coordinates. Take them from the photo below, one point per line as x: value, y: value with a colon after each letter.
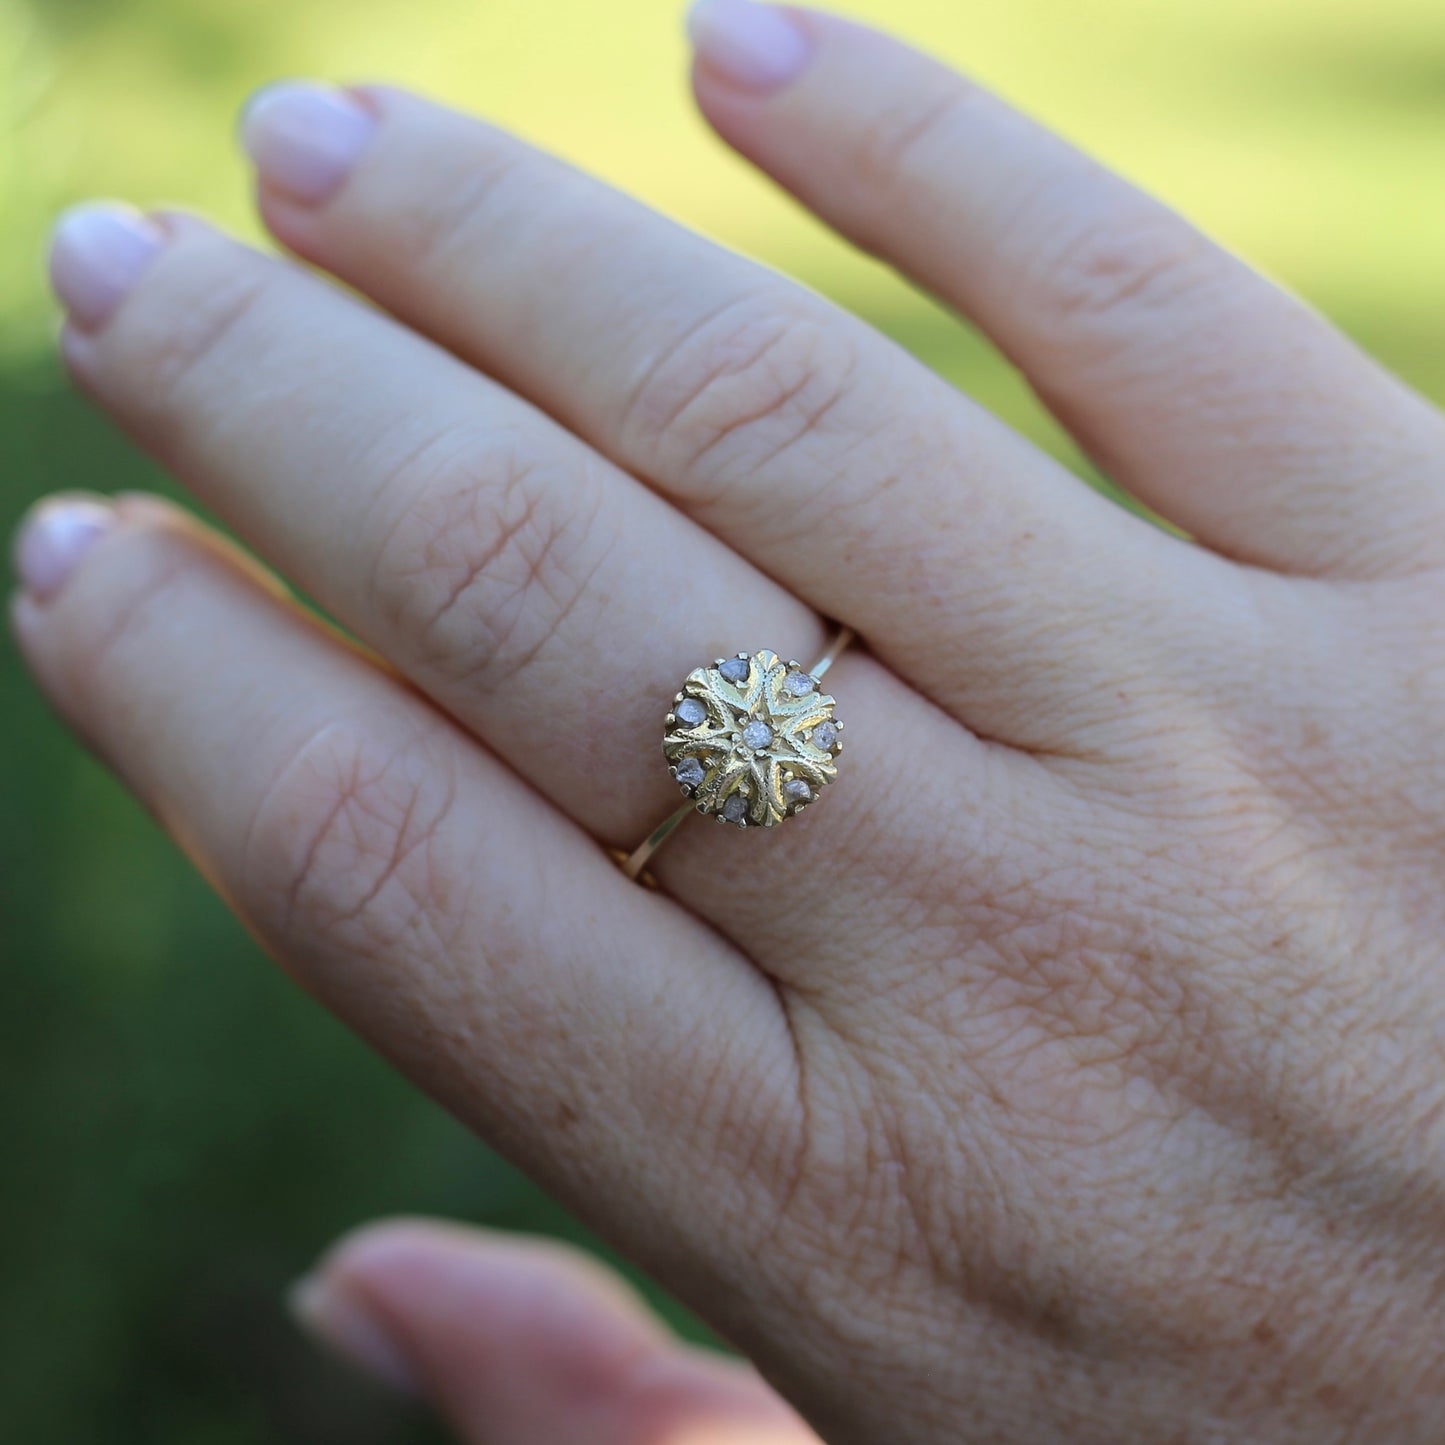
x: 690, y: 711
x: 735, y: 669
x: 824, y: 736
x: 797, y: 791
x: 758, y: 735
x: 799, y: 684
x: 690, y: 772
x: 735, y: 809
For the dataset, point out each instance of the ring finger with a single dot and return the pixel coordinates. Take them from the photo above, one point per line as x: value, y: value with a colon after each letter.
x: 508, y: 570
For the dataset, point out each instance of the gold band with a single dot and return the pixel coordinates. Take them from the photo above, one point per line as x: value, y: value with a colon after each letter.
x: 633, y: 864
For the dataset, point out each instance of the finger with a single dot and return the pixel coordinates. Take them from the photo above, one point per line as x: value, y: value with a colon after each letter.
x: 497, y: 562
x: 800, y: 436
x: 520, y: 1340
x: 466, y: 929
x: 1210, y: 393
x: 547, y: 600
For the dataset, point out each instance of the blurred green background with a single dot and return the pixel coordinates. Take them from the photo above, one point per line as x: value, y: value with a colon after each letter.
x: 183, y: 1131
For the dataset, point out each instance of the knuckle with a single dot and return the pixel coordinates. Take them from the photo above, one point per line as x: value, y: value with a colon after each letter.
x: 1112, y: 272
x: 487, y: 554
x: 199, y: 319
x: 740, y: 388
x: 892, y: 150
x: 453, y: 205
x: 144, y: 574
x: 344, y: 848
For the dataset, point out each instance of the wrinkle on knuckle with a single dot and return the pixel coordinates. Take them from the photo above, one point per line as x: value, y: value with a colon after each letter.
x: 450, y: 214
x: 344, y: 848
x: 742, y: 387
x: 887, y: 152
x: 123, y: 626
x: 188, y: 333
x: 487, y: 554
x: 1106, y: 277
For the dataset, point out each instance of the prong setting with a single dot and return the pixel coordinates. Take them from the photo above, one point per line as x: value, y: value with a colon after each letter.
x: 752, y: 740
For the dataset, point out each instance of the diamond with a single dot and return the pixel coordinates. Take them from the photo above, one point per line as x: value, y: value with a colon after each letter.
x: 758, y: 735
x: 750, y: 738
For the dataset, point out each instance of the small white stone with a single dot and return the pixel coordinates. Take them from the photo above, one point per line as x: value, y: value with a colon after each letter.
x: 758, y: 735
x: 690, y: 711
x: 690, y: 772
x: 799, y: 684
x: 824, y: 736
x: 735, y: 809
x: 736, y: 669
x: 797, y: 791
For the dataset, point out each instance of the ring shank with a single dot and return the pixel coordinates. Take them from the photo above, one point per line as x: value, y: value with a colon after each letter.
x: 638, y: 859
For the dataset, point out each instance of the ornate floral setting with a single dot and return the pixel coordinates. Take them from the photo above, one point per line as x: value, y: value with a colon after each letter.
x: 752, y: 740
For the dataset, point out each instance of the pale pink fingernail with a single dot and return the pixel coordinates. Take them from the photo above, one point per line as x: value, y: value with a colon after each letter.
x: 342, y: 1322
x: 53, y: 539
x: 97, y: 254
x: 304, y: 139
x: 750, y: 45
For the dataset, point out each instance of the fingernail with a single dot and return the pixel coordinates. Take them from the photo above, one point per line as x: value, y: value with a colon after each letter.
x: 341, y: 1322
x: 752, y: 46
x: 304, y: 139
x: 97, y: 254
x: 53, y: 539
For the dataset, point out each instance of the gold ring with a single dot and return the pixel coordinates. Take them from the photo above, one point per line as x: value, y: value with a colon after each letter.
x: 751, y: 740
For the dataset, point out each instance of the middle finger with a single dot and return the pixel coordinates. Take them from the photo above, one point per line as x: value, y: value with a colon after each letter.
x: 978, y: 567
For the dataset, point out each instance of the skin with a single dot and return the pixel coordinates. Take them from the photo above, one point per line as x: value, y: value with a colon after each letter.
x: 1073, y: 1071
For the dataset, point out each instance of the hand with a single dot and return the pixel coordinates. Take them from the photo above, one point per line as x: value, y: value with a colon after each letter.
x: 1073, y: 1072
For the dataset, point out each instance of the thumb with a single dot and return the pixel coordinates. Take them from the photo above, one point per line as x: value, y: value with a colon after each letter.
x: 521, y: 1340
